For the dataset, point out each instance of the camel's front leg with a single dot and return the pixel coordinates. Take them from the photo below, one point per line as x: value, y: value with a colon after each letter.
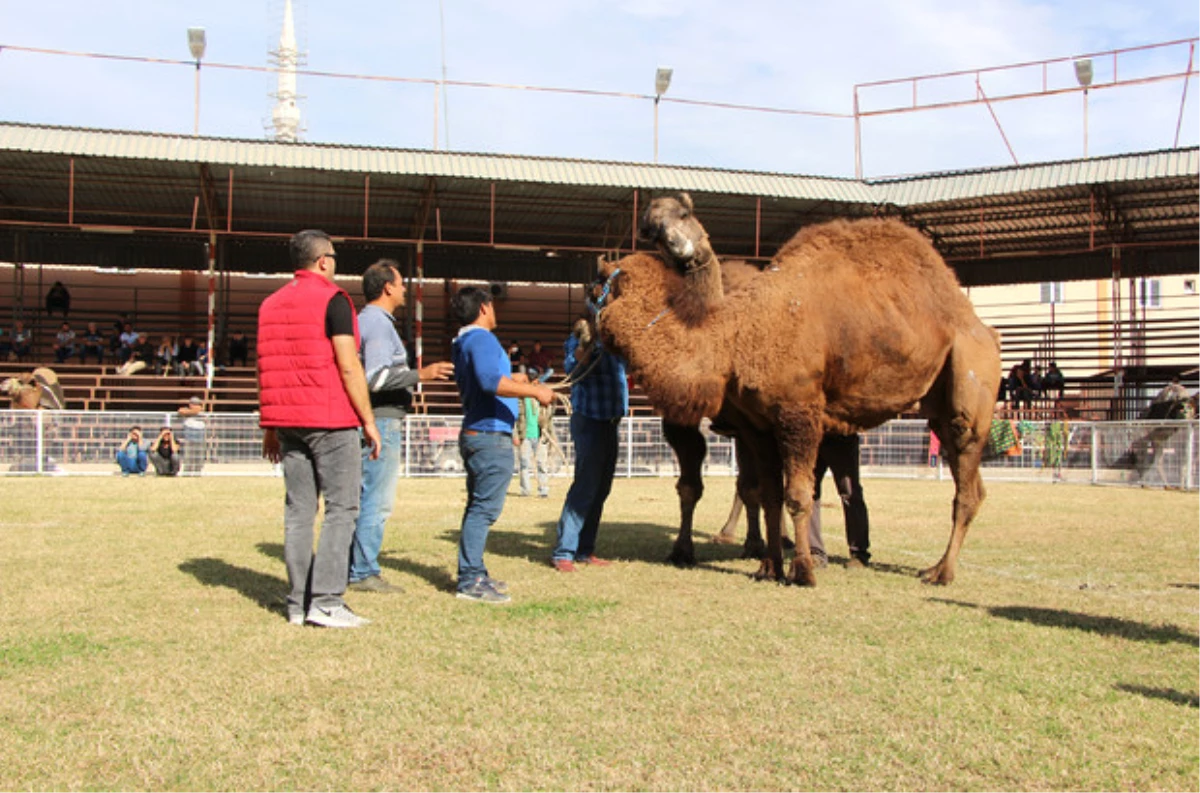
x: 799, y: 438
x: 690, y: 448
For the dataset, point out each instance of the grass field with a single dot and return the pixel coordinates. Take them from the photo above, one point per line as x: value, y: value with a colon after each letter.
x: 143, y: 646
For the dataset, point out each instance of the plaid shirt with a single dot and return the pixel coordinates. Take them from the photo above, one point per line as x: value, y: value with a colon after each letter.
x: 604, y: 393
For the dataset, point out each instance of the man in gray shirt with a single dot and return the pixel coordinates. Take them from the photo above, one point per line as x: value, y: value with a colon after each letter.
x: 390, y: 383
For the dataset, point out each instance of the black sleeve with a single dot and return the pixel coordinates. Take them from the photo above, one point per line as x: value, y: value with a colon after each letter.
x: 339, y: 317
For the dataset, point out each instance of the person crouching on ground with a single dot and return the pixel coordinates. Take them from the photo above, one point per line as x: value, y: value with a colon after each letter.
x: 164, y: 453
x: 489, y: 391
x: 313, y: 399
x: 132, y: 454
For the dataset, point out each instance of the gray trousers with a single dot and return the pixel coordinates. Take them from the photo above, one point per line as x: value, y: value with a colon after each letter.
x: 316, y: 464
x: 534, y: 453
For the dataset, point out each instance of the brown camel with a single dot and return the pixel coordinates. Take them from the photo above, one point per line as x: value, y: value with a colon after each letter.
x: 849, y: 325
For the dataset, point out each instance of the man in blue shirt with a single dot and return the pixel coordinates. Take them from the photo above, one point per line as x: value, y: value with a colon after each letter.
x: 390, y: 385
x: 488, y: 390
x: 599, y: 399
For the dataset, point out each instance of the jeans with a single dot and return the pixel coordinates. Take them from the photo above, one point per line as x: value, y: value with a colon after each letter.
x: 319, y: 463
x: 596, y: 443
x: 378, y: 497
x: 165, y: 466
x: 535, y: 452
x: 132, y: 462
x: 488, y: 459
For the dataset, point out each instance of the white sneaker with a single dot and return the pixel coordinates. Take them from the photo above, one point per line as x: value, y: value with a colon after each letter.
x: 336, y: 617
x: 296, y: 617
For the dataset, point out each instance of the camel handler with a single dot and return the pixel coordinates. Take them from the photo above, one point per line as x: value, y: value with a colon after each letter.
x: 313, y: 398
x: 839, y: 454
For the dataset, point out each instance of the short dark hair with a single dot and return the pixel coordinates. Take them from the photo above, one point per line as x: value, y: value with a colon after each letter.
x: 306, y: 247
x: 467, y: 302
x: 377, y: 276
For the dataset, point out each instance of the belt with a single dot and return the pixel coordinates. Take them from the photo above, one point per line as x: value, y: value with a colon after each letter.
x: 485, y: 432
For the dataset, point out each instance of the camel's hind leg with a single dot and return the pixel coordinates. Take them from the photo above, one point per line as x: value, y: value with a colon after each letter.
x: 690, y: 448
x: 960, y: 410
x: 748, y: 495
x: 800, y: 434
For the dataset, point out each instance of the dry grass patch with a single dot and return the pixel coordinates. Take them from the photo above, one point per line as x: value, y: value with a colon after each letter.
x: 144, y: 647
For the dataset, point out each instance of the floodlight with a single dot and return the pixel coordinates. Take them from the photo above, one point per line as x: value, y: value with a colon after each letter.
x: 662, y: 80
x: 1083, y: 71
x: 196, y: 42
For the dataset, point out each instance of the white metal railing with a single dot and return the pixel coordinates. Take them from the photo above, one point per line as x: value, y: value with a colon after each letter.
x: 1134, y: 453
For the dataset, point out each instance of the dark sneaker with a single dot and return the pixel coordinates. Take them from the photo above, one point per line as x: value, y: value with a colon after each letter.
x: 499, y: 586
x: 482, y: 591
x: 374, y: 583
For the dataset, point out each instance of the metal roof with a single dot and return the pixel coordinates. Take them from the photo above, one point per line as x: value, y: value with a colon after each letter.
x: 498, y: 216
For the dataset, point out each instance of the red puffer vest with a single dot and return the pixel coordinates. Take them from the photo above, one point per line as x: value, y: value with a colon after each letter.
x: 298, y: 377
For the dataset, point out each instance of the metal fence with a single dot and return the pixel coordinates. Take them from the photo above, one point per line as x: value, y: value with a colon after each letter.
x: 1135, y: 453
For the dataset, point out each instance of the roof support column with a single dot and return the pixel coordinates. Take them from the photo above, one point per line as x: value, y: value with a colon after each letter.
x: 492, y: 213
x: 633, y: 232
x: 71, y: 196
x: 229, y: 205
x: 757, y: 225
x: 366, y: 206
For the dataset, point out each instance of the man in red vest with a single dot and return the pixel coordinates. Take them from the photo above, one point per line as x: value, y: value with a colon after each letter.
x: 313, y: 398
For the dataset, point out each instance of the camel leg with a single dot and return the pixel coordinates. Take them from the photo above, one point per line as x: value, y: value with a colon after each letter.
x: 690, y: 448
x: 799, y: 439
x: 962, y: 421
x: 728, y: 533
x: 761, y: 446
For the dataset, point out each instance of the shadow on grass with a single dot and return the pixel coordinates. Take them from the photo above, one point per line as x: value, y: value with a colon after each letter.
x: 629, y: 542
x: 1105, y: 626
x: 1185, y: 586
x: 262, y: 589
x: 436, y: 576
x: 1169, y: 694
x: 271, y: 549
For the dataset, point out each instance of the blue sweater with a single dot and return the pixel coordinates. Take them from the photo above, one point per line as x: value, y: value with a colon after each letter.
x: 479, y: 363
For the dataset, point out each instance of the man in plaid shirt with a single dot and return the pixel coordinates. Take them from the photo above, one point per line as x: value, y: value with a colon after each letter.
x: 598, y: 402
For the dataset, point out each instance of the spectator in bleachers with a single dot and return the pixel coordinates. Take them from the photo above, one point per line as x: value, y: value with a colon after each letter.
x: 22, y: 340
x: 164, y: 453
x: 129, y: 339
x: 1035, y: 382
x: 93, y: 344
x: 514, y: 354
x: 64, y: 343
x: 239, y: 349
x: 188, y: 353
x: 58, y: 299
x: 165, y: 355
x: 132, y: 454
x: 200, y: 367
x: 1053, y: 380
x: 1018, y: 384
x: 6, y: 345
x: 541, y: 365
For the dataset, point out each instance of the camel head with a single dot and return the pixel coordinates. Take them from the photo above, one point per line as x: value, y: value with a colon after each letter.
x: 669, y: 223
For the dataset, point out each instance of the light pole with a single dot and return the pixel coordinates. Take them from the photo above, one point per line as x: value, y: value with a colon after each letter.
x: 196, y: 44
x: 662, y: 81
x: 1083, y: 75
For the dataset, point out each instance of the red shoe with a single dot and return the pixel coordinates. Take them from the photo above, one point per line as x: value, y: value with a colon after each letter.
x: 563, y: 565
x: 596, y: 561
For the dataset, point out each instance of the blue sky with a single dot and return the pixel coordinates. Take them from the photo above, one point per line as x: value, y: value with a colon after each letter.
x: 797, y: 55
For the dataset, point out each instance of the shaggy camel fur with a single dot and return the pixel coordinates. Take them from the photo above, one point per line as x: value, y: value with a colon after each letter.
x: 852, y: 323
